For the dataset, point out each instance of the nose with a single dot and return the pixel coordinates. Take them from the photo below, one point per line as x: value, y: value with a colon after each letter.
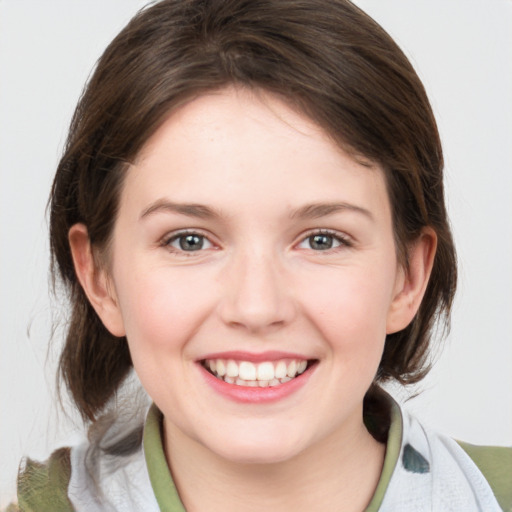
x: 257, y: 296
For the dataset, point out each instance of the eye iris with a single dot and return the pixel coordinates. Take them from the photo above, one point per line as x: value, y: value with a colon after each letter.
x: 191, y: 242
x: 321, y: 242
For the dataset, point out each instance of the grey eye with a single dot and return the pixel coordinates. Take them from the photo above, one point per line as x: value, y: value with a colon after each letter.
x: 189, y: 242
x: 321, y: 242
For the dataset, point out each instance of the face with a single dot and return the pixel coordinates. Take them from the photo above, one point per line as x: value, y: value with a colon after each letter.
x: 254, y: 274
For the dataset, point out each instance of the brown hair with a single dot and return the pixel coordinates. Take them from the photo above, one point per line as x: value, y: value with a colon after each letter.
x: 325, y: 57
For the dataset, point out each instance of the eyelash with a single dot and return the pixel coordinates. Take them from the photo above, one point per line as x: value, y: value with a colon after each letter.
x: 343, y: 241
x: 168, y: 240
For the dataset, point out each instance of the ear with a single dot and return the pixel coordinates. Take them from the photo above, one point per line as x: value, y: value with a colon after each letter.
x: 412, y: 282
x: 95, y: 281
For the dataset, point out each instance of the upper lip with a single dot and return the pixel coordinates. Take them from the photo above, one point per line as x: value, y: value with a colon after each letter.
x: 269, y: 355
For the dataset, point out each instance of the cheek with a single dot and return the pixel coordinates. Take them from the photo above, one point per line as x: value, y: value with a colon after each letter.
x: 160, y: 307
x: 349, y: 306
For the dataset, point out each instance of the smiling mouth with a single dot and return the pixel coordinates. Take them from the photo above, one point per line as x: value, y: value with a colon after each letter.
x: 263, y: 374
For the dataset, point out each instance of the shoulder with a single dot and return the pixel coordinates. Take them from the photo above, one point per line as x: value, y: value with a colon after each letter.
x: 434, y: 472
x: 495, y: 463
x: 44, y: 486
x: 484, y: 472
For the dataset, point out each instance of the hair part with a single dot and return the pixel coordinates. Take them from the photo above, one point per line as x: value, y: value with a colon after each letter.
x: 327, y: 59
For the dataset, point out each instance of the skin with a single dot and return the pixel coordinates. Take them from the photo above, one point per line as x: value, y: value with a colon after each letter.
x: 256, y: 285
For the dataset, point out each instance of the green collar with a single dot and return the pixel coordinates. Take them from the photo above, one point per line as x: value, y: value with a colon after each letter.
x: 393, y: 446
x: 167, y: 495
x: 159, y: 474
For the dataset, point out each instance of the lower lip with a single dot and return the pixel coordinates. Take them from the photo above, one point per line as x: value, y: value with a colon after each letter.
x: 256, y: 395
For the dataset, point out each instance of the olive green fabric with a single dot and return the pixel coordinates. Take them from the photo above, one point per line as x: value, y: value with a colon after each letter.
x: 12, y: 508
x: 167, y: 495
x: 43, y: 487
x: 392, y: 453
x: 495, y: 463
x: 159, y: 473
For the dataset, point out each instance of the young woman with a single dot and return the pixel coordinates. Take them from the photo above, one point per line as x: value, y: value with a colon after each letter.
x: 250, y: 214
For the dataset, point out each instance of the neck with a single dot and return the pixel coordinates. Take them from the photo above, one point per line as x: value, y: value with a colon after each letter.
x: 343, y: 468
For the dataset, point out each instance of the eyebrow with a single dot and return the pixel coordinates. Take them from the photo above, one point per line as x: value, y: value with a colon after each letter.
x: 317, y: 210
x: 200, y: 211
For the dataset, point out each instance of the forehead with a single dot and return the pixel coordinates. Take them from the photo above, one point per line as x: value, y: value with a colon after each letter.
x: 236, y: 113
x: 234, y: 143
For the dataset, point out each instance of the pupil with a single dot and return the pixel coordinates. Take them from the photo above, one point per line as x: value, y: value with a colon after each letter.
x: 321, y: 242
x: 191, y: 242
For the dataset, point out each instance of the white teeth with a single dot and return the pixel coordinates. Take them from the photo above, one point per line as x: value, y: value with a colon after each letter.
x: 246, y: 383
x: 265, y: 371
x: 292, y: 369
x: 220, y: 368
x: 232, y: 369
x: 281, y: 370
x: 246, y: 373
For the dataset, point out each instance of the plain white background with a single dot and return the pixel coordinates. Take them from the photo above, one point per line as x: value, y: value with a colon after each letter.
x: 462, y: 49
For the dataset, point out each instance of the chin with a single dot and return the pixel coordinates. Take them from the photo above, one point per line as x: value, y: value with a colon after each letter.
x: 265, y: 448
